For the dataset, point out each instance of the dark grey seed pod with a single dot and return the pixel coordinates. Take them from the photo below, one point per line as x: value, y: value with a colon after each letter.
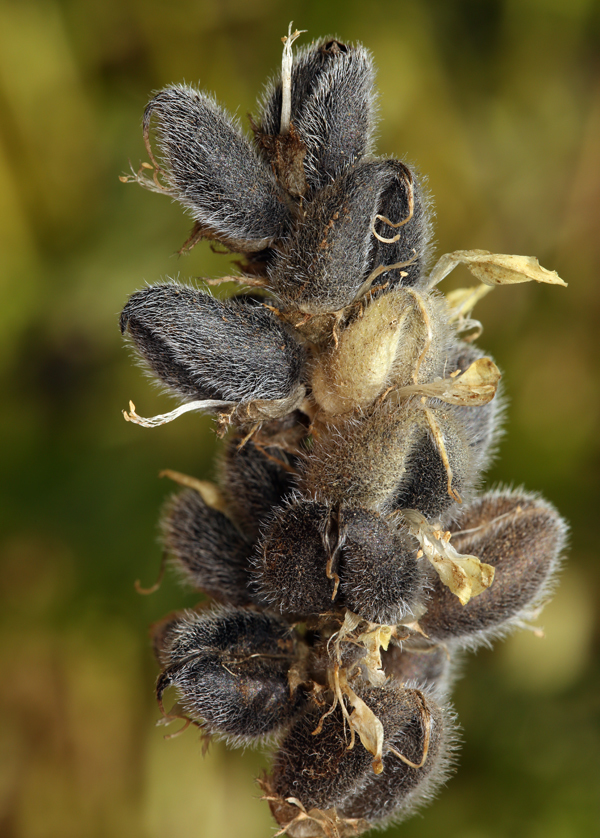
x: 414, y: 726
x: 522, y: 537
x: 291, y: 563
x: 324, y: 263
x: 404, y: 200
x: 230, y: 668
x: 360, y: 462
x: 332, y: 108
x: 381, y: 578
x: 256, y: 480
x: 208, y: 549
x: 388, y: 460
x: 204, y: 348
x: 430, y: 668
x: 424, y: 486
x: 214, y: 171
x: 319, y: 770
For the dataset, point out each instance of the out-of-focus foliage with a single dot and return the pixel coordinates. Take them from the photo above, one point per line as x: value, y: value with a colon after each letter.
x: 498, y: 102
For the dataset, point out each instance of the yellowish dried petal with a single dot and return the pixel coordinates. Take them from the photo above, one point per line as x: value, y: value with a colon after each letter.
x: 363, y: 721
x: 374, y: 640
x: 494, y: 268
x: 476, y: 386
x: 465, y: 575
x: 462, y: 301
x: 209, y: 492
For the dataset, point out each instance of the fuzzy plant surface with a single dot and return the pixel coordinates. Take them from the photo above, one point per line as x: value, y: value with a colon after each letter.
x: 348, y: 551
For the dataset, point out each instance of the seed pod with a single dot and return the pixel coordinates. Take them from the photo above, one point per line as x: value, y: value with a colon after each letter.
x: 423, y: 733
x: 332, y: 109
x: 292, y: 559
x: 209, y: 550
x: 230, y: 668
x: 318, y: 769
x: 321, y: 772
x: 431, y: 668
x: 522, y: 537
x: 322, y: 266
x: 403, y: 231
x: 214, y: 172
x: 426, y: 485
x: 256, y: 480
x: 204, y: 348
x: 389, y: 459
x: 400, y: 338
x: 381, y: 579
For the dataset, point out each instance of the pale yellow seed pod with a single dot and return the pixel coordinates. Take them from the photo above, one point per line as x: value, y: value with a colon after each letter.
x: 381, y: 347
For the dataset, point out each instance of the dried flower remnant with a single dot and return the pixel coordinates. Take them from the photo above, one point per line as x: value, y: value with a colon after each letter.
x: 346, y: 544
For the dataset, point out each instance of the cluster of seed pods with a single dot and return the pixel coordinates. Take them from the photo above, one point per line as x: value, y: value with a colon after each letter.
x: 346, y: 548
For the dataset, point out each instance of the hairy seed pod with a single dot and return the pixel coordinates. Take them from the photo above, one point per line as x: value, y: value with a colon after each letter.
x: 381, y: 579
x: 256, y: 480
x: 522, y: 537
x: 389, y: 459
x: 332, y: 110
x: 214, y: 171
x: 404, y: 232
x: 291, y: 563
x: 322, y: 266
x: 208, y: 548
x: 204, y: 348
x: 418, y: 729
x: 398, y: 339
x: 320, y: 771
x: 230, y: 668
x: 431, y: 668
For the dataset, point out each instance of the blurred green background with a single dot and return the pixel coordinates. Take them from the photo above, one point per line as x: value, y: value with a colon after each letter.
x: 498, y: 103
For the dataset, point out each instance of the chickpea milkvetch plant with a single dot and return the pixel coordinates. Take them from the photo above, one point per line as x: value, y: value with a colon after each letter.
x: 349, y: 553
